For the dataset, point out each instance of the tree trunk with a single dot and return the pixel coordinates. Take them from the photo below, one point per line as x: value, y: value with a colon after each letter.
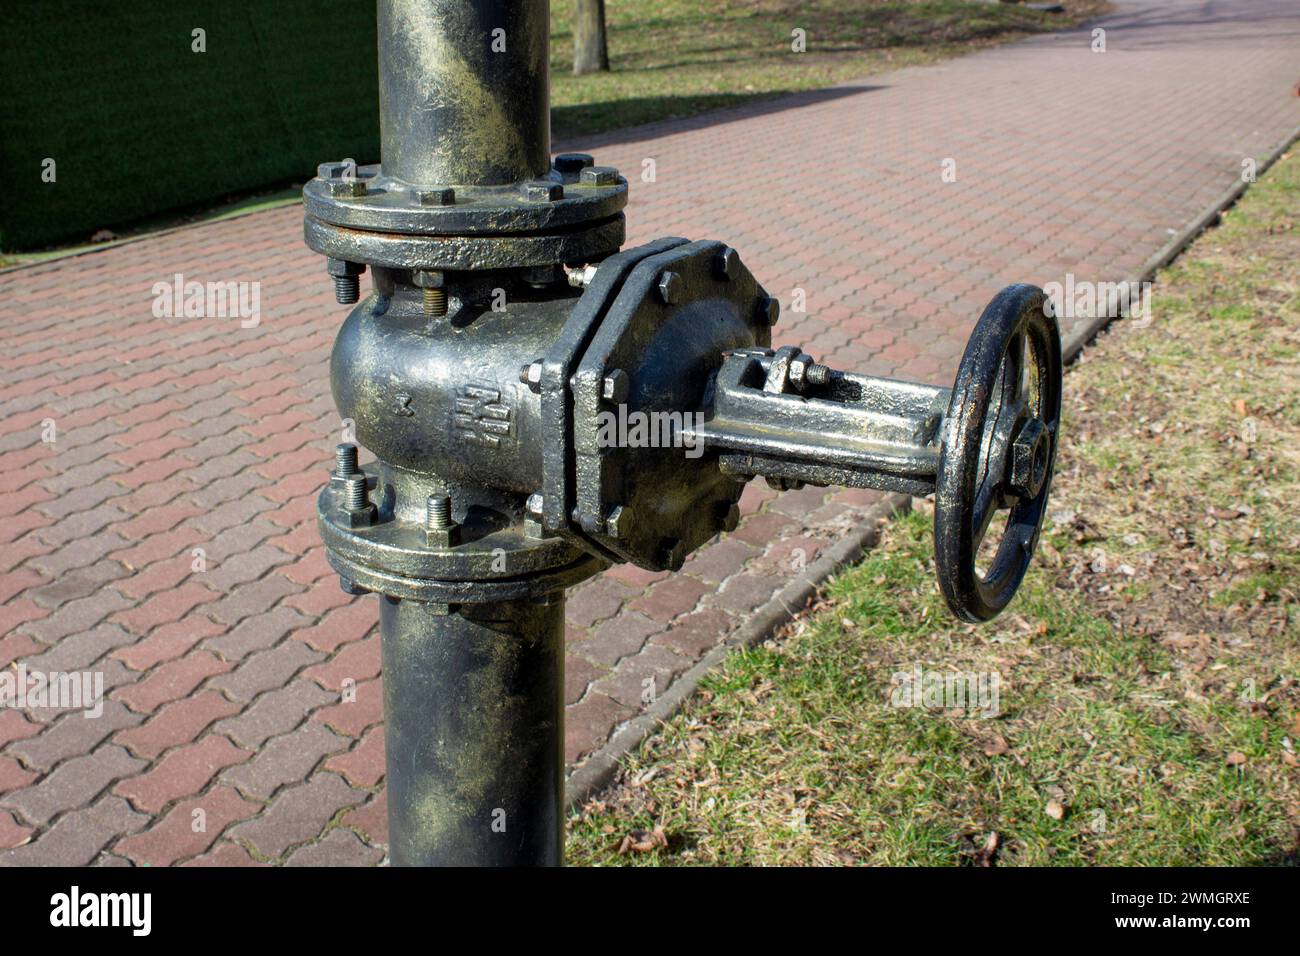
x: 590, y: 54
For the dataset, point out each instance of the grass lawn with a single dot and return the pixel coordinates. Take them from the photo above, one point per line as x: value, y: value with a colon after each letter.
x: 1149, y: 706
x: 672, y: 58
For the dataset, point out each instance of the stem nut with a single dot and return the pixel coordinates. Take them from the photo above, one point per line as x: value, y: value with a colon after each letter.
x: 1030, y: 452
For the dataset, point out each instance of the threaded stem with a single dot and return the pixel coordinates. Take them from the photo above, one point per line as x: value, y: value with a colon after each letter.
x: 356, y: 493
x: 435, y: 301
x: 345, y: 460
x: 347, y: 289
x: 438, y: 512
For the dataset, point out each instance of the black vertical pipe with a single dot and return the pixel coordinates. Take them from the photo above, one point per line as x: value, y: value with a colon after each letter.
x: 464, y: 91
x: 474, y: 730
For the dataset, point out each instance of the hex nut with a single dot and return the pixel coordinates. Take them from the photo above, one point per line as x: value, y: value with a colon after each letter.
x: 338, y: 267
x: 1029, y: 454
x: 541, y: 190
x: 599, y: 176
x: 531, y: 375
x: 572, y: 163
x: 533, y: 516
x: 615, y: 386
x: 347, y: 188
x: 434, y: 197
x: 726, y: 263
x: 619, y: 522
x: 669, y: 285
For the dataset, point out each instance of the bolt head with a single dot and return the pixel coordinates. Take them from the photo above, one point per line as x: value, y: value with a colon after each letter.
x: 618, y: 524
x: 670, y: 285
x: 531, y: 375
x: 599, y: 176
x: 726, y: 263
x: 347, y: 188
x: 615, y: 386
x: 541, y: 190
x: 361, y: 518
x: 1030, y: 452
x: 769, y: 310
x: 434, y: 197
x: 572, y: 163
x: 337, y: 267
x: 443, y: 537
x: 798, y: 370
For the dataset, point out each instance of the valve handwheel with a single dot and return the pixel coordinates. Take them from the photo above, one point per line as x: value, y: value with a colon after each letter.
x: 999, y: 448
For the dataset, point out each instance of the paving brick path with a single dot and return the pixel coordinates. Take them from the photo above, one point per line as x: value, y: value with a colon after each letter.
x: 224, y: 684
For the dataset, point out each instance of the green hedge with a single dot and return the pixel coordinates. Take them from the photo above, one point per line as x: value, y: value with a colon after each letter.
x: 139, y: 124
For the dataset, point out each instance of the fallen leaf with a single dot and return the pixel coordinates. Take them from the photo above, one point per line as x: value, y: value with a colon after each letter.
x: 643, y: 841
x: 996, y: 747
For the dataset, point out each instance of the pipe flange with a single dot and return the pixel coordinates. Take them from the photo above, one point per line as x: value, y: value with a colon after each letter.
x: 372, y: 201
x: 486, y: 552
x: 395, y: 250
x: 405, y: 587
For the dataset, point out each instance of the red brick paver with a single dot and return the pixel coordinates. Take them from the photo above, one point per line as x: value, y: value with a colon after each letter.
x: 165, y: 538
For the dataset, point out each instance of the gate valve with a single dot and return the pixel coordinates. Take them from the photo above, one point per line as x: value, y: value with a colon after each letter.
x: 541, y: 405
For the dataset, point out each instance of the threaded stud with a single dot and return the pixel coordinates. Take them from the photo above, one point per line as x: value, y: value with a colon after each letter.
x: 438, y: 513
x: 435, y: 301
x: 355, y: 488
x: 817, y: 375
x: 345, y: 460
x: 347, y: 289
